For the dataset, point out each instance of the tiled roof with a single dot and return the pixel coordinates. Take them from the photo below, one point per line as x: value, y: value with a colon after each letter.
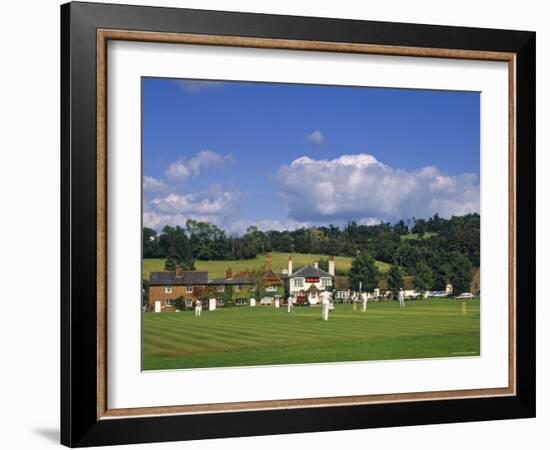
x: 193, y: 277
x: 272, y: 278
x: 169, y: 278
x: 408, y: 282
x: 232, y: 281
x: 308, y: 271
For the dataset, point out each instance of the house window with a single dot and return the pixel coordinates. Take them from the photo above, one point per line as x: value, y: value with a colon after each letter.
x: 299, y: 282
x: 188, y: 288
x: 220, y: 302
x: 169, y: 302
x: 167, y: 289
x: 188, y: 301
x: 241, y: 301
x: 237, y: 287
x: 271, y: 289
x: 326, y: 282
x: 221, y: 288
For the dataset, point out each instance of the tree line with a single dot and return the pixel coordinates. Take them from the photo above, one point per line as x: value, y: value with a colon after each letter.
x: 441, y: 250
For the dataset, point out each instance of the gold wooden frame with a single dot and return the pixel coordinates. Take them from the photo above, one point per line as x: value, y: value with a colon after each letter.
x: 104, y: 35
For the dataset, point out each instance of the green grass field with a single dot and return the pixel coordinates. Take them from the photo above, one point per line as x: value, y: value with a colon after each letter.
x: 216, y: 269
x: 414, y: 236
x: 245, y: 336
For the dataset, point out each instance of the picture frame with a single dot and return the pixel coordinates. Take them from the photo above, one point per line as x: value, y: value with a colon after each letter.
x: 86, y: 418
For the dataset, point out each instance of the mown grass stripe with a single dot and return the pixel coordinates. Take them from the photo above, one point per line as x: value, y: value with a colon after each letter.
x: 238, y: 334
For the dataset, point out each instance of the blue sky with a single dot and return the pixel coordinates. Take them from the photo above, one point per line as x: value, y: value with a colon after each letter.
x: 286, y: 155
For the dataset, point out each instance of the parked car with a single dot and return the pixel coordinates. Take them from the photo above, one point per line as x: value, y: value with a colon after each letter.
x: 301, y: 300
x: 465, y: 296
x: 438, y: 294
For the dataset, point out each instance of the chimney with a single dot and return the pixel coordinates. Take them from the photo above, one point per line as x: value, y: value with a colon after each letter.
x: 267, y: 263
x: 331, y: 265
x: 290, y: 265
x: 179, y: 271
x: 229, y: 274
x: 316, y: 264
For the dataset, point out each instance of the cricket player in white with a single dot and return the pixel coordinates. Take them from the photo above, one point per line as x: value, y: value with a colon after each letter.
x: 401, y: 297
x: 198, y: 308
x: 290, y: 304
x: 363, y: 301
x: 325, y: 302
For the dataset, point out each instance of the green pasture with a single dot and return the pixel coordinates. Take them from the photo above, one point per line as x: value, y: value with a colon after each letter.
x: 216, y: 269
x: 414, y: 236
x: 245, y: 336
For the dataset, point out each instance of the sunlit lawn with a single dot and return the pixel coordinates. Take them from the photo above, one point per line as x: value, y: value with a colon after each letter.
x: 244, y: 336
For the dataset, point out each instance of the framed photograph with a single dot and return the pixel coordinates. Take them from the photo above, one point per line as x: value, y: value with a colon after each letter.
x: 277, y: 224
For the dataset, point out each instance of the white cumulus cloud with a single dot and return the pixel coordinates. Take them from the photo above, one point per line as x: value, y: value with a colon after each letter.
x: 184, y: 168
x: 359, y: 187
x: 214, y: 205
x: 151, y: 184
x: 210, y: 202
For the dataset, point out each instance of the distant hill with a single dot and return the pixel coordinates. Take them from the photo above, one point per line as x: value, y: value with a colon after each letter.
x: 216, y: 269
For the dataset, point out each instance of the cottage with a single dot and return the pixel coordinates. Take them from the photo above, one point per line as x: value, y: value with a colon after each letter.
x: 238, y: 289
x: 309, y: 281
x: 272, y: 285
x: 166, y: 287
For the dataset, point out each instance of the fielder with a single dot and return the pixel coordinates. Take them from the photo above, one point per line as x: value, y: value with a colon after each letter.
x: 401, y: 297
x: 363, y: 301
x: 290, y: 304
x: 198, y: 308
x: 325, y: 302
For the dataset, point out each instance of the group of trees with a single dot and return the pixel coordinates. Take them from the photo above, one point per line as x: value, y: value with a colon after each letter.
x: 442, y: 251
x: 364, y: 275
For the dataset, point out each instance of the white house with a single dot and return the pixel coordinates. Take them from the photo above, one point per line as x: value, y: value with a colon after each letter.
x: 309, y: 281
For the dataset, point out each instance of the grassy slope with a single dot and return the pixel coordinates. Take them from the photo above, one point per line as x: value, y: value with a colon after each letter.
x: 216, y: 269
x: 263, y: 336
x: 414, y: 236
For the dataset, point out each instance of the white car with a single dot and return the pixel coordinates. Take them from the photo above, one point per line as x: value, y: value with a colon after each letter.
x: 438, y: 294
x: 465, y: 295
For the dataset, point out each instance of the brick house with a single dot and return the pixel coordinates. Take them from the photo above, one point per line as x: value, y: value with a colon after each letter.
x: 166, y: 287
